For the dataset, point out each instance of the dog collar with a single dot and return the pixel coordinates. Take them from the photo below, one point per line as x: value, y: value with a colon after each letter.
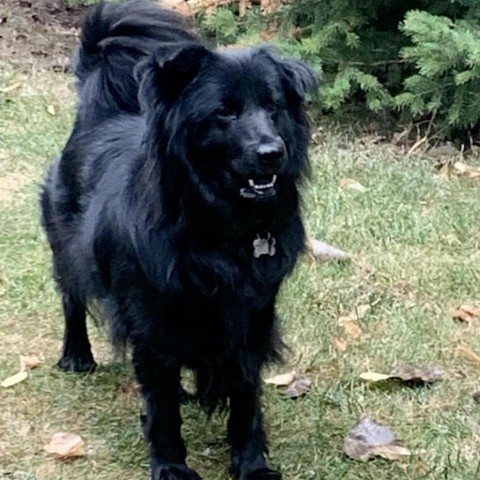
x: 264, y: 246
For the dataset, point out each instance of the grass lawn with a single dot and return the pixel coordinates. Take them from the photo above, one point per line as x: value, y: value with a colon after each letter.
x: 415, y: 239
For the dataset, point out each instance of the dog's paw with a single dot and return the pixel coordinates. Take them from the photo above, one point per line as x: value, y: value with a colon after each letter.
x: 77, y: 363
x: 171, y: 471
x: 261, y: 474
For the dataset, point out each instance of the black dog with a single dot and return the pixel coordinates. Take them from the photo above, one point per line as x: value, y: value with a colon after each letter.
x: 175, y: 208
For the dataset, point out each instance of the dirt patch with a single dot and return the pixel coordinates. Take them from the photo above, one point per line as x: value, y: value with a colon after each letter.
x: 38, y: 33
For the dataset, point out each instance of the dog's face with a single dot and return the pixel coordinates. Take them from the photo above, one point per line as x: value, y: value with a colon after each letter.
x: 239, y: 118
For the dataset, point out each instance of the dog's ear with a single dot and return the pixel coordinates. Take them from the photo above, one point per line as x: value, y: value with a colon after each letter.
x: 302, y: 78
x: 179, y: 69
x: 171, y: 69
x: 296, y: 75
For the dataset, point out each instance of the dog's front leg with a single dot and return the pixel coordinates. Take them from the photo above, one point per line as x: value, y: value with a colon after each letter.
x: 159, y: 378
x: 246, y: 433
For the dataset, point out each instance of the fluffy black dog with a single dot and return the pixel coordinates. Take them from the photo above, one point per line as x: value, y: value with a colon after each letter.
x: 175, y: 208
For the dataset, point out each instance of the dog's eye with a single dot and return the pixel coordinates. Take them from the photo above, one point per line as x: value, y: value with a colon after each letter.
x: 225, y: 114
x: 273, y: 107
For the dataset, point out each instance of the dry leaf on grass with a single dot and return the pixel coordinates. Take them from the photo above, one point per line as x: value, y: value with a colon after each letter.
x: 292, y: 384
x: 463, y: 169
x: 282, y: 380
x: 29, y: 362
x: 14, y: 379
x: 465, y: 313
x: 300, y: 386
x: 349, y: 322
x: 53, y: 109
x: 11, y: 87
x: 460, y: 169
x: 408, y: 374
x: 351, y: 328
x: 323, y: 252
x: 369, y: 439
x: 374, y: 376
x: 351, y: 184
x: 340, y: 345
x: 465, y: 352
x: 66, y: 445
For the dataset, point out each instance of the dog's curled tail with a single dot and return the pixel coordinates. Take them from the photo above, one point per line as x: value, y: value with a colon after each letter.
x: 115, y: 37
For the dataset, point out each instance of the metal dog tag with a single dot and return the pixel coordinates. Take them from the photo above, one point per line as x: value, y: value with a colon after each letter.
x: 264, y: 246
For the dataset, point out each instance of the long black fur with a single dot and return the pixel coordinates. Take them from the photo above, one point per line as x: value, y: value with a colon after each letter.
x: 149, y: 214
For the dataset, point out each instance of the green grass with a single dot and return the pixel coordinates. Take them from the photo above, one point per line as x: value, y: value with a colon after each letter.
x: 413, y: 262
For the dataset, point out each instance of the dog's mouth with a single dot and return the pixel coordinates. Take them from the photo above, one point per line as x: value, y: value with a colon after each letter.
x: 260, y: 187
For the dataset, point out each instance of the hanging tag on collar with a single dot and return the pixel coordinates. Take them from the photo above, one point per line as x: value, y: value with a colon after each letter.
x: 264, y: 246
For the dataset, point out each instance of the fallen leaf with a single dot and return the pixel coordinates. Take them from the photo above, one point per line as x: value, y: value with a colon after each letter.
x: 340, y: 345
x: 392, y: 451
x: 374, y: 376
x: 407, y: 373
x: 465, y: 352
x: 465, y: 313
x: 29, y: 362
x: 351, y: 184
x: 53, y: 109
x: 66, y: 445
x: 460, y: 169
x: 11, y: 87
x: 351, y: 328
x: 282, y: 380
x: 369, y: 439
x: 14, y: 379
x: 410, y: 373
x: 323, y: 252
x: 292, y: 384
x: 300, y: 386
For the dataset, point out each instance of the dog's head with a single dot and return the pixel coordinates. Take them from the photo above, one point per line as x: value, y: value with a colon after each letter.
x: 234, y: 118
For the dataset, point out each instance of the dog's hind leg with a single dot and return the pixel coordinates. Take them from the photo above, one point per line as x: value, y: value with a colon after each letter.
x: 77, y: 353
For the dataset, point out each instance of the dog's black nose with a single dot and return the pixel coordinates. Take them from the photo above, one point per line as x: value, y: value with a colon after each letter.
x: 272, y: 151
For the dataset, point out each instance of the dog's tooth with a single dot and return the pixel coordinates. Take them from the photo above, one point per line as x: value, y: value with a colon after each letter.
x: 274, y: 179
x: 251, y: 182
